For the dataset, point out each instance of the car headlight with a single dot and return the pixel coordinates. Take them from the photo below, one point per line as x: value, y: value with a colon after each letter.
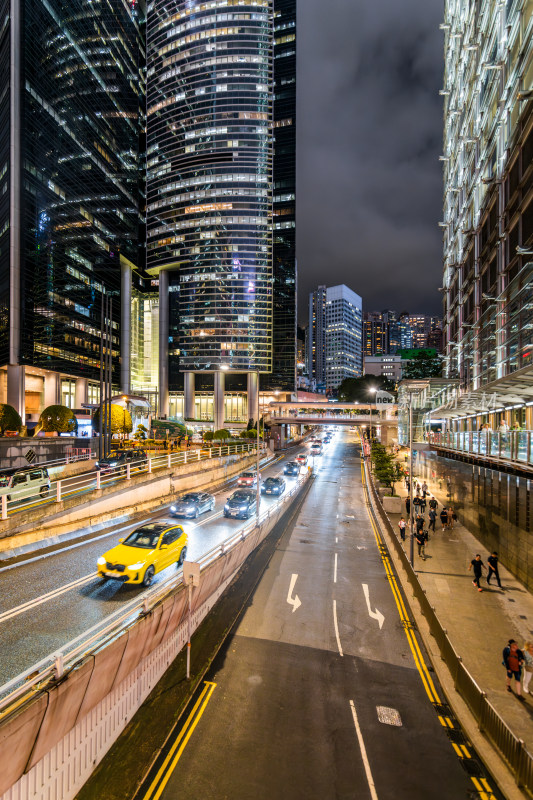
x: 101, y: 561
x: 243, y: 508
x: 136, y: 566
x: 226, y: 507
x: 113, y: 464
x: 172, y: 508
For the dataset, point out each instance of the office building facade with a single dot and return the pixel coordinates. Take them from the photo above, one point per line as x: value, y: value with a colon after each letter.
x: 488, y: 195
x: 335, y: 341
x: 209, y: 189
x: 386, y: 332
x: 71, y: 115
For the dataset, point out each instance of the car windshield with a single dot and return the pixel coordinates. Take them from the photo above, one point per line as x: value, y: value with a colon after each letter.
x: 190, y: 498
x: 271, y: 482
x: 248, y: 475
x: 146, y: 537
x: 241, y: 496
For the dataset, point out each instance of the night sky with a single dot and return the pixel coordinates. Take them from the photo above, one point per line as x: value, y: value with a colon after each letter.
x: 369, y: 182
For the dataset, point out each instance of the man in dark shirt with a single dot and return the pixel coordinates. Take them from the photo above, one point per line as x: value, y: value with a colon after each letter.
x: 432, y: 519
x: 493, y: 568
x: 421, y: 542
x: 477, y: 566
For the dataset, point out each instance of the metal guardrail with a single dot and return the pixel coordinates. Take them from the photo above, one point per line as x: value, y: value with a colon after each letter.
x: 53, y: 666
x: 514, y: 446
x: 96, y: 479
x: 511, y: 748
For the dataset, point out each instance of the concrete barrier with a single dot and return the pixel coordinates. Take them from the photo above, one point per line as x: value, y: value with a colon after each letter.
x: 50, y: 744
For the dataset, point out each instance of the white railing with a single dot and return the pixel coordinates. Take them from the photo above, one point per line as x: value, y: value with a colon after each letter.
x: 54, y: 665
x: 98, y: 479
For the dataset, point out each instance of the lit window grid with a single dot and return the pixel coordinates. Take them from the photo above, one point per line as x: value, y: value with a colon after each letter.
x: 482, y: 111
x: 245, y: 236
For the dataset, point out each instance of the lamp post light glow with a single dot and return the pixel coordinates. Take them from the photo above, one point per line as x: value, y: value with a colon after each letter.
x: 373, y: 391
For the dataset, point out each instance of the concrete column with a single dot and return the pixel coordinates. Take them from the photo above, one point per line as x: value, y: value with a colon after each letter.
x: 80, y: 392
x: 125, y: 328
x: 51, y: 389
x: 15, y: 173
x: 188, y: 395
x: 16, y: 389
x: 163, y: 343
x: 252, y: 387
x: 218, y: 400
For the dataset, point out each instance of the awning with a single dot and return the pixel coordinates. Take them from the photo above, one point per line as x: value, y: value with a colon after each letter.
x: 513, y: 391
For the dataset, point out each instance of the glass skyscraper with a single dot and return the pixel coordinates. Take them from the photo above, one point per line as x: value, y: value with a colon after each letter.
x: 71, y: 111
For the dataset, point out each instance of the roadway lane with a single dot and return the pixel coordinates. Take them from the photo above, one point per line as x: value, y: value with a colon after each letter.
x: 48, y: 602
x: 317, y: 693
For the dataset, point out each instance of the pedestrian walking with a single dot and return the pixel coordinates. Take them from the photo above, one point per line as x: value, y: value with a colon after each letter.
x: 493, y: 568
x: 416, y: 504
x: 432, y: 519
x: 449, y: 517
x: 528, y: 666
x: 477, y: 566
x: 513, y: 659
x: 421, y: 543
x: 424, y: 489
x: 419, y: 522
x: 433, y: 502
x: 444, y: 518
x: 417, y: 487
x: 422, y: 504
x: 454, y: 517
x: 407, y: 505
x: 402, y: 525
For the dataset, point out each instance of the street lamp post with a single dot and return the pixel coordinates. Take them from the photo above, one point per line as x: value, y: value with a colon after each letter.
x: 257, y: 491
x: 373, y: 391
x: 412, y: 538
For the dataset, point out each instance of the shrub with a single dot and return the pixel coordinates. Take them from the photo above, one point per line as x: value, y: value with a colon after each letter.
x: 60, y: 419
x: 208, y: 436
x: 120, y: 419
x: 222, y: 434
x: 9, y: 419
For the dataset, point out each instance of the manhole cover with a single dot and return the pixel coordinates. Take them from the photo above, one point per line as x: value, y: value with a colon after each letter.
x: 389, y: 716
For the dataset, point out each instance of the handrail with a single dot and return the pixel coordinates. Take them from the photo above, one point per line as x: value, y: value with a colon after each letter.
x: 55, y: 664
x: 509, y: 446
x: 96, y: 479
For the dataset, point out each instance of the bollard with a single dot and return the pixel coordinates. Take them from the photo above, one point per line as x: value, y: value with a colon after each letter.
x: 149, y: 466
x: 4, y: 506
x: 169, y: 461
x: 210, y: 453
x: 58, y: 491
x: 184, y: 456
x: 128, y: 471
x: 59, y: 667
x: 98, y: 480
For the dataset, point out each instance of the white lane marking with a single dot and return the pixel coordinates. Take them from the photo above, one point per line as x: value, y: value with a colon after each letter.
x: 335, y: 570
x: 374, y: 614
x: 14, y: 612
x: 361, y: 547
x: 370, y: 779
x: 295, y: 601
x: 337, y: 628
x: 336, y: 539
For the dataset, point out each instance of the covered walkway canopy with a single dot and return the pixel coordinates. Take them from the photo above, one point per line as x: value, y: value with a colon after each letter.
x: 512, y: 392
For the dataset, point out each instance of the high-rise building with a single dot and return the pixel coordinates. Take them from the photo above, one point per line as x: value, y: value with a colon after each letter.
x: 488, y: 201
x: 374, y: 333
x: 71, y: 116
x: 386, y: 332
x: 209, y: 189
x: 284, y: 362
x: 335, y: 341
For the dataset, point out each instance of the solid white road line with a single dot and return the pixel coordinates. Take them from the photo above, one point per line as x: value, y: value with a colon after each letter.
x: 335, y: 570
x: 337, y: 628
x: 31, y: 604
x: 364, y: 756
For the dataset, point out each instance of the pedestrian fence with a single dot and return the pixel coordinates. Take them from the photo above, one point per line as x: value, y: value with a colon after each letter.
x: 490, y: 723
x: 515, y: 446
x: 112, y: 476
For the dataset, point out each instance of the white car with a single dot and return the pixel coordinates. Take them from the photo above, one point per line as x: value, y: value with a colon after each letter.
x: 19, y: 483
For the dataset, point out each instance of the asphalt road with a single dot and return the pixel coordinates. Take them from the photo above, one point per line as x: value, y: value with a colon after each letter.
x: 323, y: 690
x: 50, y: 600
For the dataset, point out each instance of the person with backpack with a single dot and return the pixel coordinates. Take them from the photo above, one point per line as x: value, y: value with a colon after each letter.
x: 513, y: 659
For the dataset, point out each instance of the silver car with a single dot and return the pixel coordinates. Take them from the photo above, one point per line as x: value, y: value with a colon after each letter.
x: 192, y: 504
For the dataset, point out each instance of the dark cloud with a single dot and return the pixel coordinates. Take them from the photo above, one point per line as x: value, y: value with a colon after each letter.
x: 369, y: 136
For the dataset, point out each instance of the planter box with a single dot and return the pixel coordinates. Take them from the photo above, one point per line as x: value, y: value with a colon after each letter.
x: 392, y: 505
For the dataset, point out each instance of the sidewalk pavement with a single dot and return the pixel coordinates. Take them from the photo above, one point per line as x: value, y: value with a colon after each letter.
x: 479, y: 624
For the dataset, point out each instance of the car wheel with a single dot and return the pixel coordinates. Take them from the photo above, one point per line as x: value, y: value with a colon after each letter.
x: 148, y: 576
x: 44, y: 491
x: 183, y: 556
x: 226, y: 515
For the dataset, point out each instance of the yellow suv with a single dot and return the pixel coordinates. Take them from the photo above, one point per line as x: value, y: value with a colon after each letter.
x: 151, y: 548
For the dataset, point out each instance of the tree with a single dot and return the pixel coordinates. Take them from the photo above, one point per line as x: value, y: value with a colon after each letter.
x: 10, y: 419
x: 60, y: 419
x: 357, y: 390
x: 141, y: 432
x: 221, y: 434
x: 208, y: 436
x: 386, y: 468
x: 120, y: 419
x: 249, y: 434
x: 425, y: 364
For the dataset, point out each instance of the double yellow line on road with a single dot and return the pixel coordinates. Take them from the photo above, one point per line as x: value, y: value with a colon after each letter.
x: 481, y: 784
x: 168, y: 766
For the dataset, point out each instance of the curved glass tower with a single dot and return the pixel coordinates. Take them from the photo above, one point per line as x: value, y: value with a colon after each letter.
x: 209, y: 188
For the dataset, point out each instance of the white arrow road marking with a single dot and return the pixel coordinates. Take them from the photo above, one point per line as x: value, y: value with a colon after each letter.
x: 361, y: 547
x: 295, y: 601
x: 374, y: 614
